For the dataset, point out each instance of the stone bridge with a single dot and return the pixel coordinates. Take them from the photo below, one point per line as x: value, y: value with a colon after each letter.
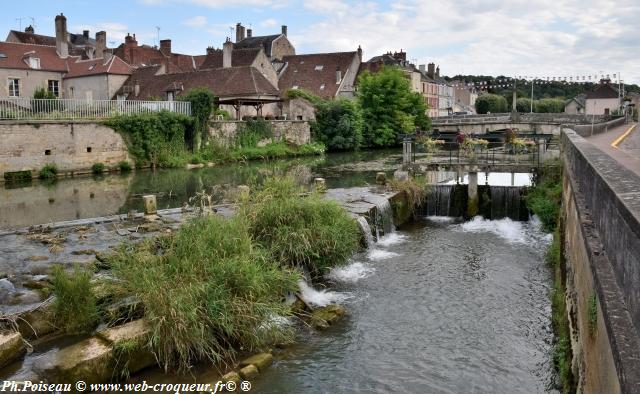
x: 538, y: 123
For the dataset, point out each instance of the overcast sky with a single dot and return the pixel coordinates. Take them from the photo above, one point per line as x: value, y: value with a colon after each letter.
x: 542, y: 38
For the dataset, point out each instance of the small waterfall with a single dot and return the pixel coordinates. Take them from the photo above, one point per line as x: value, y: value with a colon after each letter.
x: 439, y: 201
x: 315, y: 297
x: 384, y: 219
x: 506, y: 202
x: 366, y: 231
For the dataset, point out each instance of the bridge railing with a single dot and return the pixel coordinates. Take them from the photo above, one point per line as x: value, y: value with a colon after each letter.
x: 44, y: 109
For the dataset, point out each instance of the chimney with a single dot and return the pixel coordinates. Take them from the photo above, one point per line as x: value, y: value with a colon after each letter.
x: 431, y: 70
x: 338, y: 76
x: 284, y: 30
x: 129, y: 40
x: 239, y: 32
x: 101, y: 44
x: 360, y: 53
x: 402, y: 56
x: 210, y: 50
x: 422, y: 68
x: 165, y: 47
x: 62, y: 45
x: 438, y: 71
x: 29, y: 29
x: 85, y: 34
x: 227, y: 50
x: 249, y: 33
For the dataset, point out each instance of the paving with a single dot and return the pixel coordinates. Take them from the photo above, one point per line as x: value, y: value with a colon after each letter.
x: 627, y: 152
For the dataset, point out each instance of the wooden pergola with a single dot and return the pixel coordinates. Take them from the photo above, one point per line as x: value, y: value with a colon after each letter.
x: 256, y: 101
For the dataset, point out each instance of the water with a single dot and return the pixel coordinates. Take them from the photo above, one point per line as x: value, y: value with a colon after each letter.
x: 455, y: 308
x: 506, y: 201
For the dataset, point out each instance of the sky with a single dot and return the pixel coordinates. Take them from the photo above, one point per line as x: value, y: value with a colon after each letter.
x: 541, y: 38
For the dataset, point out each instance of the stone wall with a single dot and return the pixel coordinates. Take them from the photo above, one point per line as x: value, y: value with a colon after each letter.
x: 588, y: 129
x: 73, y: 146
x: 601, y: 206
x: 294, y: 132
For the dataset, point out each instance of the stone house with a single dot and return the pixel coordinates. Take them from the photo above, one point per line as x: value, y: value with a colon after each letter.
x: 145, y: 55
x: 575, y: 105
x: 604, y: 99
x: 275, y: 46
x: 95, y: 79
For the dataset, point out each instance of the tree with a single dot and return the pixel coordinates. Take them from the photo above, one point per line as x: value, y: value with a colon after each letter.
x: 524, y: 105
x: 491, y: 103
x: 339, y: 124
x: 389, y: 107
x: 202, y: 104
x: 550, y: 105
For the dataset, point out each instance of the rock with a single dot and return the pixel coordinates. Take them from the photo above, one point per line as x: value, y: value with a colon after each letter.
x: 35, y: 323
x: 231, y: 377
x: 122, y: 232
x: 249, y: 372
x: 11, y: 347
x: 26, y: 297
x: 320, y: 185
x: 37, y: 282
x: 381, y: 178
x: 149, y: 204
x: 137, y: 330
x: 37, y: 258
x: 7, y: 290
x: 322, y: 318
x: 91, y: 360
x: 151, y: 227
x: 401, y: 175
x: 56, y: 248
x: 260, y: 360
x: 84, y: 252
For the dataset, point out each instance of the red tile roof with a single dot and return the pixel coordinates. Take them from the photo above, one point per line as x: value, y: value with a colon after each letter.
x: 144, y: 55
x: 14, y: 55
x: 37, y: 39
x: 83, y: 68
x: 239, y: 58
x: 316, y: 73
x: 603, y: 91
x: 223, y: 82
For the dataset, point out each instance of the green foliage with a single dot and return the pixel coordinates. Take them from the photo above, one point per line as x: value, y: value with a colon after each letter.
x: 491, y: 103
x: 389, y: 107
x: 545, y: 198
x: 156, y: 139
x: 206, y: 290
x: 304, y: 94
x: 97, y: 168
x: 414, y: 188
x: 49, y: 171
x: 339, y: 124
x: 592, y: 303
x: 251, y: 132
x: 549, y: 105
x: 43, y: 94
x: 74, y: 306
x: 124, y: 166
x: 524, y: 105
x: 202, y: 102
x: 14, y: 176
x: 311, y: 232
x: 217, y: 113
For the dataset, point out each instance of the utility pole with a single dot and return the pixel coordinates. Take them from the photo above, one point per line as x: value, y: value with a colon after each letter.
x: 532, y: 96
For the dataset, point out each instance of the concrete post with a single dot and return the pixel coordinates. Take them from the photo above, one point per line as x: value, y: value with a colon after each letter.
x: 406, y: 151
x: 472, y: 201
x: 320, y: 185
x: 513, y: 179
x: 149, y: 204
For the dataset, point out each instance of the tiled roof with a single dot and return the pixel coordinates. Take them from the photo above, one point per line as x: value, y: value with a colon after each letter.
x: 602, y: 91
x: 14, y: 55
x: 83, y: 68
x: 263, y: 42
x: 38, y: 39
x: 144, y: 55
x: 223, y: 82
x: 239, y: 58
x: 315, y: 73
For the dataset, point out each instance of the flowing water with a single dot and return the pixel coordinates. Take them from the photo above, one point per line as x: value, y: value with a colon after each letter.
x: 441, y: 306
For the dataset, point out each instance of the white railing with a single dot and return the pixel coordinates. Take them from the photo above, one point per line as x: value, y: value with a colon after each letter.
x: 40, y: 109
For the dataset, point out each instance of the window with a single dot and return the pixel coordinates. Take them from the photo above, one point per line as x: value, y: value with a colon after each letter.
x: 170, y: 96
x: 72, y: 92
x: 34, y: 62
x: 3, y: 55
x: 14, y: 87
x: 319, y: 67
x: 322, y: 87
x: 54, y: 87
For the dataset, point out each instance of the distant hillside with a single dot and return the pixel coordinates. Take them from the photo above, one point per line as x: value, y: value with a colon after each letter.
x: 553, y: 89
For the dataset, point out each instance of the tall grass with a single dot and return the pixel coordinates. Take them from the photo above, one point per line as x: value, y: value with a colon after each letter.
x: 206, y: 290
x: 74, y: 307
x: 308, y: 232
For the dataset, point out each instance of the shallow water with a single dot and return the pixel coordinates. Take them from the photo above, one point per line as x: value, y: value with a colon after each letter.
x: 453, y: 308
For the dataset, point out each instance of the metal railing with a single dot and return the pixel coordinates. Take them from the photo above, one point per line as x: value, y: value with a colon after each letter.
x: 43, y: 109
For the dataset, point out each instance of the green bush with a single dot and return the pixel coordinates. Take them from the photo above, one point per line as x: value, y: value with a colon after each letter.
x: 339, y: 124
x: 491, y: 103
x: 206, y: 290
x: 74, y: 306
x: 310, y: 232
x: 251, y: 132
x: 202, y: 105
x: 304, y: 94
x: 545, y: 197
x: 124, y: 166
x: 43, y: 94
x: 549, y: 105
x: 524, y: 105
x: 49, y: 171
x: 97, y: 168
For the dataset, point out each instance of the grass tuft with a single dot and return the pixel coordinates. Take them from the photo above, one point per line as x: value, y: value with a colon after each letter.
x: 74, y: 307
x: 49, y: 171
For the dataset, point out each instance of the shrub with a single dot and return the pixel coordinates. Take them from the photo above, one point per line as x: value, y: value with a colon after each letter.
x: 339, y: 124
x: 202, y: 104
x: 415, y: 190
x: 545, y: 198
x: 97, y: 168
x: 491, y: 103
x: 549, y: 105
x: 206, y: 289
x: 310, y: 232
x: 74, y: 307
x: 49, y: 171
x: 251, y: 132
x: 124, y: 166
x: 43, y: 94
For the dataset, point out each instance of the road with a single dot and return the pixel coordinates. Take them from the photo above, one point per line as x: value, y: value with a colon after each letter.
x: 627, y: 151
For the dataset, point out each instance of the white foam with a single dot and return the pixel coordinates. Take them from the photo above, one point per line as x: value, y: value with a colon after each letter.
x: 512, y: 231
x: 378, y: 254
x: 320, y: 297
x: 350, y: 273
x: 391, y: 239
x: 441, y: 219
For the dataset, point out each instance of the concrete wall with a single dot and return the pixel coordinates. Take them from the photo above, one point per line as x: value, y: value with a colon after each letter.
x: 23, y: 146
x: 586, y: 130
x: 294, y: 132
x: 542, y: 128
x: 600, y: 106
x: 94, y: 87
x: 30, y: 80
x: 601, y: 203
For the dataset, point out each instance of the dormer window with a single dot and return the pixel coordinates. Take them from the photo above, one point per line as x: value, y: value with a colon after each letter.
x: 34, y: 63
x: 319, y: 67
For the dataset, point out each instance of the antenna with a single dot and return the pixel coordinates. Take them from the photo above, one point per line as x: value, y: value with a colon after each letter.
x: 33, y: 22
x: 19, y: 19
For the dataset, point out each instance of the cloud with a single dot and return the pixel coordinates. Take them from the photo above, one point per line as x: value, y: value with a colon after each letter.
x: 219, y: 4
x: 196, y: 21
x: 115, y: 31
x: 269, y: 23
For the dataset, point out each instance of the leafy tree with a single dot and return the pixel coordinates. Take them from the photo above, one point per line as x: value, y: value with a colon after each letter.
x: 524, y: 105
x: 550, y: 105
x: 491, y: 103
x: 339, y: 124
x: 389, y: 107
x: 202, y: 104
